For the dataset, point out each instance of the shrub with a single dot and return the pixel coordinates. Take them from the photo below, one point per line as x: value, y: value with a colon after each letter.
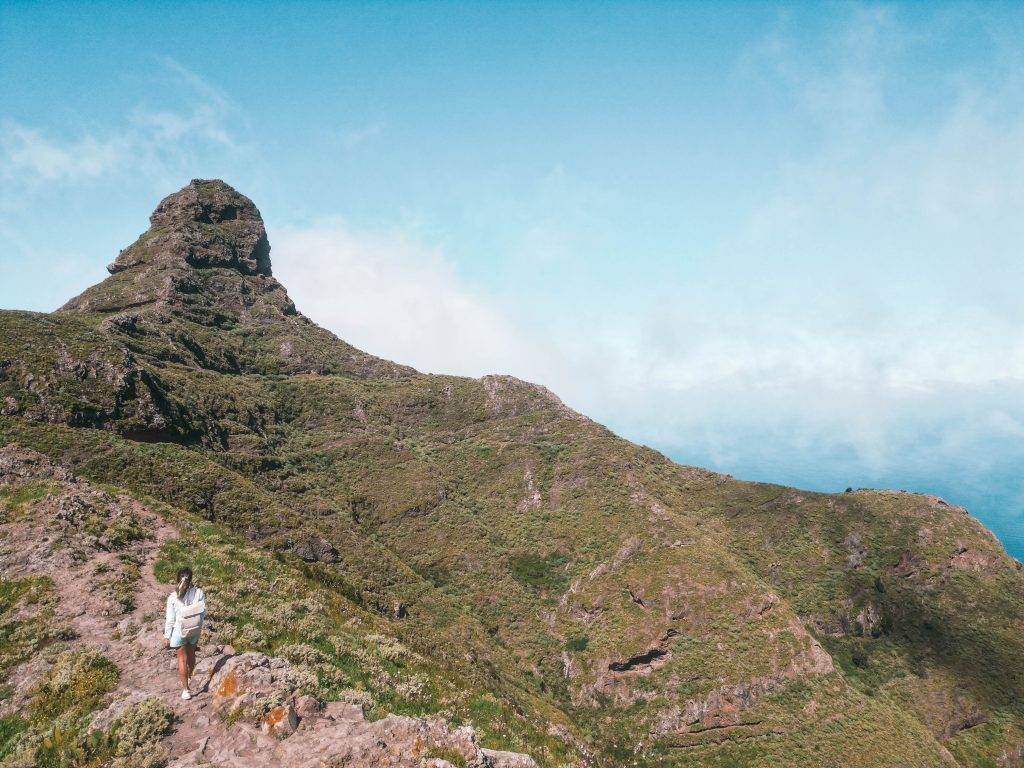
x: 302, y: 679
x: 141, y: 727
x: 578, y: 643
x: 300, y: 653
x: 126, y: 529
x: 250, y: 638
x: 541, y: 573
x: 75, y: 685
x: 11, y: 727
x: 71, y: 748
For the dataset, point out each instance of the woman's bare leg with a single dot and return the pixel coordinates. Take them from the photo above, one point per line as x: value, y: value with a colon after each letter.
x: 191, y: 659
x: 182, y: 654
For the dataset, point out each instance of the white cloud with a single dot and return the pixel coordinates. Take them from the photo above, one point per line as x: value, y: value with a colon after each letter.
x: 154, y: 143
x: 399, y: 298
x: 26, y: 153
x: 669, y: 377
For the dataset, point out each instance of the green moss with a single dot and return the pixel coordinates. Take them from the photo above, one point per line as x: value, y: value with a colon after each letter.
x: 26, y: 619
x: 76, y: 684
x: 11, y: 726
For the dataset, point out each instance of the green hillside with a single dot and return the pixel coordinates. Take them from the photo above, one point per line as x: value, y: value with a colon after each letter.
x: 573, y: 595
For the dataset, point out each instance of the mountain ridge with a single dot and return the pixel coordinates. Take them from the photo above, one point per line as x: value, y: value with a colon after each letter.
x: 624, y: 606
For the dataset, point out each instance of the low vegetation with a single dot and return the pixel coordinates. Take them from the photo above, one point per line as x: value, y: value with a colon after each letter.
x: 472, y: 548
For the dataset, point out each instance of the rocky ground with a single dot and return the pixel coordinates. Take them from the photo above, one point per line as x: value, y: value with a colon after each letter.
x: 97, y: 550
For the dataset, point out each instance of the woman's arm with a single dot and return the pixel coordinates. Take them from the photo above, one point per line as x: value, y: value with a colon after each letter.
x: 169, y: 618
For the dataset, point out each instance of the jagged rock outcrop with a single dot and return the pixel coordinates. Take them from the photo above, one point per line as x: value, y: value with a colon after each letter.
x: 314, y: 549
x: 205, y: 255
x: 204, y: 263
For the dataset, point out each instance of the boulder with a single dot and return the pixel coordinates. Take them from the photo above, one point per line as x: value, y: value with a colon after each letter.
x: 307, y: 707
x: 314, y: 549
x: 281, y: 721
x: 255, y: 687
x: 206, y: 668
x: 494, y: 758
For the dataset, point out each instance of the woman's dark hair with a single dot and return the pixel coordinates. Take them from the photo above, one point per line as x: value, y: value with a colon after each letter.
x: 184, y: 581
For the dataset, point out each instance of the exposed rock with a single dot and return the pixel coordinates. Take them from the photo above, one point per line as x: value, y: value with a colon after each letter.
x: 280, y: 721
x: 907, y: 566
x: 351, y: 741
x: 533, y: 498
x: 207, y: 667
x: 103, y: 387
x: 508, y: 396
x: 868, y: 621
x: 856, y: 551
x: 205, y: 225
x: 967, y: 559
x: 764, y: 606
x: 308, y: 707
x: 17, y: 463
x: 314, y: 549
x: 724, y: 705
x: 647, y: 661
x: 252, y: 685
x: 205, y: 263
x: 344, y: 711
x: 493, y: 758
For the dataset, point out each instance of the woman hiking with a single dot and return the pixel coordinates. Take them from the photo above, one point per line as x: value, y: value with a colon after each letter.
x: 186, y: 607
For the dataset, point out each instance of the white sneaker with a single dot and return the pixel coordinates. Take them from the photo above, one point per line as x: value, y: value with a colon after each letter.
x: 186, y: 695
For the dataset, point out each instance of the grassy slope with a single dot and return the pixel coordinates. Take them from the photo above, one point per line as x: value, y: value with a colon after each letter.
x: 258, y: 600
x: 523, y: 533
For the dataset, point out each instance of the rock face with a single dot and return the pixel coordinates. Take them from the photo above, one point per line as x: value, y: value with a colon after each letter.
x: 204, y: 263
x: 256, y: 693
x: 205, y: 255
x: 315, y: 549
x: 215, y: 226
x: 255, y: 687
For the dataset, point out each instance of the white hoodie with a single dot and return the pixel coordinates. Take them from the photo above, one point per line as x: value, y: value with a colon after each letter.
x: 172, y: 620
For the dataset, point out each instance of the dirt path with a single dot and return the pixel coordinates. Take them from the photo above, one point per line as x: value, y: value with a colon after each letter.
x: 134, y: 642
x: 50, y: 543
x: 98, y: 551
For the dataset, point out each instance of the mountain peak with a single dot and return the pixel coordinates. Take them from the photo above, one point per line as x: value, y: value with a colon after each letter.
x: 208, y: 201
x: 220, y: 226
x: 206, y: 253
x: 204, y: 264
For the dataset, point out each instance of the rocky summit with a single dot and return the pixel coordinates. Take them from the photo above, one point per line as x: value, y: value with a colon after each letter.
x: 415, y: 570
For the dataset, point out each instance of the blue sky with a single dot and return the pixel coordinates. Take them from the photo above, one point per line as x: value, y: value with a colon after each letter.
x: 782, y: 240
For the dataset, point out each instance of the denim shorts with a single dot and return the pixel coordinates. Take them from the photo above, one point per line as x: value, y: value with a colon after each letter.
x: 178, y: 640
